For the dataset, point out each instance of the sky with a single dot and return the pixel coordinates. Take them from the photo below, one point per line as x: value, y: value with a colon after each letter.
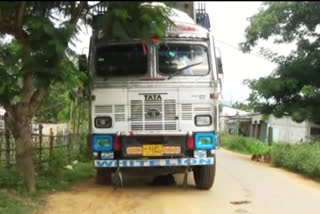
x: 228, y: 22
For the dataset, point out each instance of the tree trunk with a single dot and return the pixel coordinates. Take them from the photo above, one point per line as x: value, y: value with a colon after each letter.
x: 24, y: 156
x: 19, y: 123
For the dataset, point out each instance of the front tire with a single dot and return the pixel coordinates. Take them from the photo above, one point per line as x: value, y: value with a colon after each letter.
x: 204, y: 175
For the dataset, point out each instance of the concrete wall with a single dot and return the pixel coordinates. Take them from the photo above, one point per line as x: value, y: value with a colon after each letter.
x: 283, y: 129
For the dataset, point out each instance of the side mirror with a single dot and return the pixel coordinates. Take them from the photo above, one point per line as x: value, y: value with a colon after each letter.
x: 219, y: 64
x: 220, y: 67
x: 83, y: 66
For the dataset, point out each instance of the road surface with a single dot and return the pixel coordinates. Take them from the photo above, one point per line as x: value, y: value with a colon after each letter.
x: 241, y: 186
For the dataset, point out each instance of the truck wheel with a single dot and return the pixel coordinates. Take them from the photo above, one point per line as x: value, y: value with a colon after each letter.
x: 103, y: 176
x: 204, y: 175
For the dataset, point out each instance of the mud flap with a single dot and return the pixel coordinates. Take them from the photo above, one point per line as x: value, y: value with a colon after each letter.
x: 116, y: 178
x: 185, y: 177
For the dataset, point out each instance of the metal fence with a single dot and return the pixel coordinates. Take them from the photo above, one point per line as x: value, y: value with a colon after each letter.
x: 44, y: 148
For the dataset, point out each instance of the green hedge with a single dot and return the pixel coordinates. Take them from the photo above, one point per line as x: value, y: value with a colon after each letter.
x: 244, y: 145
x: 303, y: 158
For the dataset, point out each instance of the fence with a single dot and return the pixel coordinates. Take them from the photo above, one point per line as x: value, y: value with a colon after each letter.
x: 44, y: 148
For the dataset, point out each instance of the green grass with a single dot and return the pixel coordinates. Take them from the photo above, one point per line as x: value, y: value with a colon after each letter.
x: 244, y: 145
x: 12, y: 188
x: 62, y: 178
x: 10, y: 205
x: 303, y: 158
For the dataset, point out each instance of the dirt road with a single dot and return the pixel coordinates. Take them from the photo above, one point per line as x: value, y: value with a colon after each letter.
x: 241, y: 186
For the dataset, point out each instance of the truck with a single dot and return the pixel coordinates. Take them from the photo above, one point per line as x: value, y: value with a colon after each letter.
x: 154, y: 109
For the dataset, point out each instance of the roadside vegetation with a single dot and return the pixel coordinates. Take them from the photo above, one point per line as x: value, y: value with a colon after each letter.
x: 55, y: 175
x: 303, y: 158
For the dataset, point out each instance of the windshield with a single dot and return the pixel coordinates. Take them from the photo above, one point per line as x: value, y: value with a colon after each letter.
x: 183, y: 59
x: 121, y: 60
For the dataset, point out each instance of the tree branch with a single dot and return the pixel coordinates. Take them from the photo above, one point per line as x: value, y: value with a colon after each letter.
x: 37, y: 99
x: 0, y: 15
x: 21, y: 36
x: 92, y: 6
x: 26, y: 91
x: 76, y: 13
x: 20, y: 15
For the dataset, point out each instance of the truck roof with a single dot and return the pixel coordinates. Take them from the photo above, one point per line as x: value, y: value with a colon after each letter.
x: 185, y: 26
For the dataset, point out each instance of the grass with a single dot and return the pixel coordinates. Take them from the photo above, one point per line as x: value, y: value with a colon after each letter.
x: 303, y: 158
x: 11, y: 205
x: 244, y: 145
x: 52, y: 176
x: 12, y: 188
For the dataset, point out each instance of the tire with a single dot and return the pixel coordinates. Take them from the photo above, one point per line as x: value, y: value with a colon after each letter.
x: 204, y: 175
x: 103, y: 176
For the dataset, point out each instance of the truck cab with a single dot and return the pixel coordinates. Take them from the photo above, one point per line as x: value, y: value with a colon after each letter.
x: 154, y: 107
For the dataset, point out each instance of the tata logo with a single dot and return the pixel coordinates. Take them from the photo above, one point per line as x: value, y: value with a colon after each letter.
x: 152, y: 97
x: 153, y: 113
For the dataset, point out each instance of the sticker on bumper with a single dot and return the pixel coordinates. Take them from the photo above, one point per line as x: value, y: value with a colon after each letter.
x: 155, y: 162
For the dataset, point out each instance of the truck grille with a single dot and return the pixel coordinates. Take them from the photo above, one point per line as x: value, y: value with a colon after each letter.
x: 153, y: 115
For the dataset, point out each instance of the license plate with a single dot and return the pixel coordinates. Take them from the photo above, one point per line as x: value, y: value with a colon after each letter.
x: 152, y: 150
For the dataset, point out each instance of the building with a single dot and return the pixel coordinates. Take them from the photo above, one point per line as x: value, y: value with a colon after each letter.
x: 268, y: 128
x: 226, y: 114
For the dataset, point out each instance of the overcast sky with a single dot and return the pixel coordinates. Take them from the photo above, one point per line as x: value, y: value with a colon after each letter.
x: 228, y: 23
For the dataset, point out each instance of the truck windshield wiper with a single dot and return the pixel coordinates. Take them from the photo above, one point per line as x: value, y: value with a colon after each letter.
x: 183, y: 68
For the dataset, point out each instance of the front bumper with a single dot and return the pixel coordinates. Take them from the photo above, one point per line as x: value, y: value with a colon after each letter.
x: 169, y: 162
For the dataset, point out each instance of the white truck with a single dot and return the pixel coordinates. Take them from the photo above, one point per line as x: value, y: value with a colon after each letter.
x: 154, y: 109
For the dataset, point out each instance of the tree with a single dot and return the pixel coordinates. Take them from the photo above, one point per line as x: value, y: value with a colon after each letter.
x: 294, y: 87
x: 55, y: 106
x: 242, y: 106
x: 38, y: 56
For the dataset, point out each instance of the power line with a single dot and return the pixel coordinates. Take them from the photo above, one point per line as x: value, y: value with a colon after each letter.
x: 238, y: 49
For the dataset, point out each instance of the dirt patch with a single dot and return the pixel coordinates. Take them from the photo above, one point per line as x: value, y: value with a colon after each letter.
x: 240, y: 202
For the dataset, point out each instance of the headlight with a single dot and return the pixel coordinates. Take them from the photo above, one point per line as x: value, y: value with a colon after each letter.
x: 205, y: 140
x: 103, y: 122
x: 102, y: 142
x: 203, y: 120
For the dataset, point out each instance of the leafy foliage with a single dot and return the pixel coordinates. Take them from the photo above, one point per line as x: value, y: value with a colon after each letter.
x: 37, y: 57
x: 303, y: 158
x: 127, y: 19
x: 294, y: 87
x: 242, y: 106
x: 55, y: 106
x: 245, y: 145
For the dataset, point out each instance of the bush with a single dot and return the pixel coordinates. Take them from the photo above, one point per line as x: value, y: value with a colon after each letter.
x: 11, y: 180
x: 79, y: 171
x: 13, y: 206
x: 244, y: 145
x: 303, y: 158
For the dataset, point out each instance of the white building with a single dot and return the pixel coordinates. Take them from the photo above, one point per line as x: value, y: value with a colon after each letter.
x: 272, y: 129
x: 225, y: 115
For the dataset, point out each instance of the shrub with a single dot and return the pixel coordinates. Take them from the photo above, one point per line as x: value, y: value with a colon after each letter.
x: 303, y: 158
x: 244, y: 145
x: 12, y: 206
